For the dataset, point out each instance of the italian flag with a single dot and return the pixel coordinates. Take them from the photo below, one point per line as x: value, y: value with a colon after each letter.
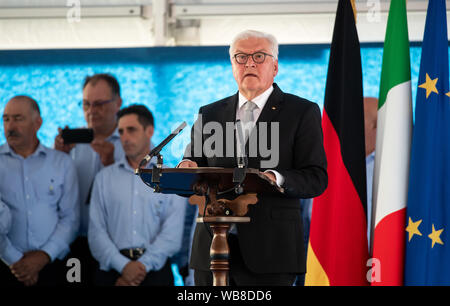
x: 393, y: 144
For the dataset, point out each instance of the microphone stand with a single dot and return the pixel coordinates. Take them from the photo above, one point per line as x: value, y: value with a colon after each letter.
x: 239, y: 173
x: 156, y: 173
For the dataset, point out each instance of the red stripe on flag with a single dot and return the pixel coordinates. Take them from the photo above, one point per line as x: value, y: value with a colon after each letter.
x: 389, y: 249
x: 338, y: 227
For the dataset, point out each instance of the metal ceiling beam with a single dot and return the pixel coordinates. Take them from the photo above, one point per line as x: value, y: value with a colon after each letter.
x: 62, y: 12
x: 180, y: 10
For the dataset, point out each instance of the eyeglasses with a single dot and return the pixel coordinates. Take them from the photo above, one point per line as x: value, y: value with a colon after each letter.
x: 258, y: 57
x: 96, y: 104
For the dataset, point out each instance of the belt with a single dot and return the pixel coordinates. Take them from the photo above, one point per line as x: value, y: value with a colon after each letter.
x: 132, y: 254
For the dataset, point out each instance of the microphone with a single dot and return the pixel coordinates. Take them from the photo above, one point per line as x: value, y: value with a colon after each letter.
x: 159, y: 147
x: 239, y: 172
x: 241, y: 158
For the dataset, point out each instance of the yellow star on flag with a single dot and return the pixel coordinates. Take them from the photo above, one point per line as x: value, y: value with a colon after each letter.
x: 448, y: 94
x: 413, y: 228
x: 429, y: 85
x: 435, y: 236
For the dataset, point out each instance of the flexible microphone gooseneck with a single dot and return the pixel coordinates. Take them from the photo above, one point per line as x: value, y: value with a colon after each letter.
x: 158, y: 148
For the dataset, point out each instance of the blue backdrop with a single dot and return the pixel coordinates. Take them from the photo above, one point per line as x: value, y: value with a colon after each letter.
x: 172, y: 81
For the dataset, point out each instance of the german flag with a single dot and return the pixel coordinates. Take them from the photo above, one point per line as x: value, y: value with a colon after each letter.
x: 338, y: 250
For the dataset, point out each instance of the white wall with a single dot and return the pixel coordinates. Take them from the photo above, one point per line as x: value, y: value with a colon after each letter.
x: 128, y: 23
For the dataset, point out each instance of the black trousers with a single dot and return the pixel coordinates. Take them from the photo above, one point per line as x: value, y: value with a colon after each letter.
x: 53, y: 274
x: 240, y: 275
x: 163, y: 277
x: 80, y: 249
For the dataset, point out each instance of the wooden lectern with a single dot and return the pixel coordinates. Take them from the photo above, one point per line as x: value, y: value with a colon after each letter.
x: 206, y: 187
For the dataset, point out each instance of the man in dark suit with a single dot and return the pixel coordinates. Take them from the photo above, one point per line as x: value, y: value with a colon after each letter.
x: 269, y: 250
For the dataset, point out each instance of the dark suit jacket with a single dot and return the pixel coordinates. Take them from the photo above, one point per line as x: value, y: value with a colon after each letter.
x: 273, y: 241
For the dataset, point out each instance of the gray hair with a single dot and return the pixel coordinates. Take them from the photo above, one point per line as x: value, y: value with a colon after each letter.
x: 34, y: 107
x: 255, y: 34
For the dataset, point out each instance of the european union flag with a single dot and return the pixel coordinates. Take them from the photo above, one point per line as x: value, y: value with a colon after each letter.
x: 428, y: 211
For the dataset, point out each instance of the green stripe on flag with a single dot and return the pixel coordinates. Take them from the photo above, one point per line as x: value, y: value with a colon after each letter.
x: 395, y: 69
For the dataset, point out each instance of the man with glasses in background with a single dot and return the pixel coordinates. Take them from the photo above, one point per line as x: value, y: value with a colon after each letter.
x: 101, y: 102
x: 268, y: 250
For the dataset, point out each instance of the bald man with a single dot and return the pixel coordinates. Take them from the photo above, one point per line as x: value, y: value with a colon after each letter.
x: 40, y: 189
x: 370, y: 131
x: 370, y: 123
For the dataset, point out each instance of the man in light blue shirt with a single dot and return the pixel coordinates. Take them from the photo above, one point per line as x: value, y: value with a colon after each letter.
x: 133, y: 231
x: 101, y: 102
x: 5, y: 223
x: 39, y: 187
x: 5, y: 218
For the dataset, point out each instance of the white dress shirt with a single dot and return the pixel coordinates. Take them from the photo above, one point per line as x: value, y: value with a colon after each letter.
x: 260, y: 102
